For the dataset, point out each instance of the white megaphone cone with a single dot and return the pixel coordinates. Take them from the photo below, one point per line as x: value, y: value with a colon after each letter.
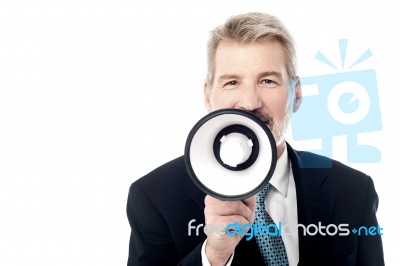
x: 230, y: 154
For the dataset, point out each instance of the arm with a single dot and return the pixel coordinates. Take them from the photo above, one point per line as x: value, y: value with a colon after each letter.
x: 151, y: 242
x: 370, y: 250
x: 204, y: 258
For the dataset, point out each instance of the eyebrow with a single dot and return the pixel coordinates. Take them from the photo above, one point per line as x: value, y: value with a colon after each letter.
x: 227, y: 76
x: 263, y: 74
x: 271, y: 73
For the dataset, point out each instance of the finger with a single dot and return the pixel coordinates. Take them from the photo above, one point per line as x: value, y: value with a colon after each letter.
x: 215, y: 207
x: 220, y: 207
x: 250, y: 202
x: 225, y: 206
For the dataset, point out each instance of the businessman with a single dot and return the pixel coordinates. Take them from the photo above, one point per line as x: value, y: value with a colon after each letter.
x: 252, y: 66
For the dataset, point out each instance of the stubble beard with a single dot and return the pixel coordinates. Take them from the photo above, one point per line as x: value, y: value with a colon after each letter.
x: 278, y: 127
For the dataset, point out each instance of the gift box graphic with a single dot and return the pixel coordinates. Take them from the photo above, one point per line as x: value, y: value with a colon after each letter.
x: 343, y: 103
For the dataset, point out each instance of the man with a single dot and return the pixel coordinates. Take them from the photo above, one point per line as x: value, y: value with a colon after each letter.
x: 252, y: 66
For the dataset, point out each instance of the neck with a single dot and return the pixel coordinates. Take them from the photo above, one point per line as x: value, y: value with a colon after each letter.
x: 279, y: 149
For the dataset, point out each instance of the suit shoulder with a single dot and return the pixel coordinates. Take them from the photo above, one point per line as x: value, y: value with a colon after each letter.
x: 316, y: 161
x: 164, y: 173
x: 165, y: 181
x: 334, y: 174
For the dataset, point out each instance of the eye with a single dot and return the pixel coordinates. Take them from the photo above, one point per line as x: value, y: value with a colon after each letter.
x: 266, y: 81
x: 269, y: 83
x: 231, y: 83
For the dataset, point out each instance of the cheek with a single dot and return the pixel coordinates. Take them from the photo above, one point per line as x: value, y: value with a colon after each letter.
x: 276, y: 103
x: 221, y: 100
x: 282, y: 102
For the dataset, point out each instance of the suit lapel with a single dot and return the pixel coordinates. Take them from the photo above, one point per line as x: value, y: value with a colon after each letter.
x: 314, y: 204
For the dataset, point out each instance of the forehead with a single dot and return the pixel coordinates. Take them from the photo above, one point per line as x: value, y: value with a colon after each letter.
x: 236, y: 58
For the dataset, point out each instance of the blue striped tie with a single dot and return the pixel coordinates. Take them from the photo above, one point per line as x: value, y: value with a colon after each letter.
x: 271, y: 246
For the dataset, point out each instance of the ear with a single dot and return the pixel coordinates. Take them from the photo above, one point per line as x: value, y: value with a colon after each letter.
x: 207, y: 92
x: 298, y: 96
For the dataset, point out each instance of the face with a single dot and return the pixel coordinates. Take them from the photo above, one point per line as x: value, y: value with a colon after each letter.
x: 253, y: 77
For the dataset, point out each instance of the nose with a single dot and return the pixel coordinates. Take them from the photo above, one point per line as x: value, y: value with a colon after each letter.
x: 249, y: 99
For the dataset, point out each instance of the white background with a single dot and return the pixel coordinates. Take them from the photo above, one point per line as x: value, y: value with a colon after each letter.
x: 95, y: 94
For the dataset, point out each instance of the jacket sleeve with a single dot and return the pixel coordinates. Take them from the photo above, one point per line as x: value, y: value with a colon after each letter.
x: 370, y: 249
x: 151, y: 242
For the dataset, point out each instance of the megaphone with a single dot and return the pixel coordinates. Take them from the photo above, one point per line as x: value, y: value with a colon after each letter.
x: 230, y: 154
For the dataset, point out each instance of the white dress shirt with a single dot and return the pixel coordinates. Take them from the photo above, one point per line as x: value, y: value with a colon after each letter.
x: 281, y: 205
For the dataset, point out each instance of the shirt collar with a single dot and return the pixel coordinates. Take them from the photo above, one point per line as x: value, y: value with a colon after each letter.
x: 280, y: 178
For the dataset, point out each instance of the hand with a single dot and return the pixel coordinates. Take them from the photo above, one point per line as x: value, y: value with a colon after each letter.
x: 220, y: 248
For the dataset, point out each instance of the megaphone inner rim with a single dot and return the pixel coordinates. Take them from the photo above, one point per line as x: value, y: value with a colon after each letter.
x: 246, y: 132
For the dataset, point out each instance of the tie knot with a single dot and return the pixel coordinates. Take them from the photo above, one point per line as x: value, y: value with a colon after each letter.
x: 263, y: 193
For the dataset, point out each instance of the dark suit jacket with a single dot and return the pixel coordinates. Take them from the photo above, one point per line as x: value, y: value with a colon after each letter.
x: 161, y: 204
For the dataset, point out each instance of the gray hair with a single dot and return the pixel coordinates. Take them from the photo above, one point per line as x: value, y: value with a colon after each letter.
x: 248, y: 28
